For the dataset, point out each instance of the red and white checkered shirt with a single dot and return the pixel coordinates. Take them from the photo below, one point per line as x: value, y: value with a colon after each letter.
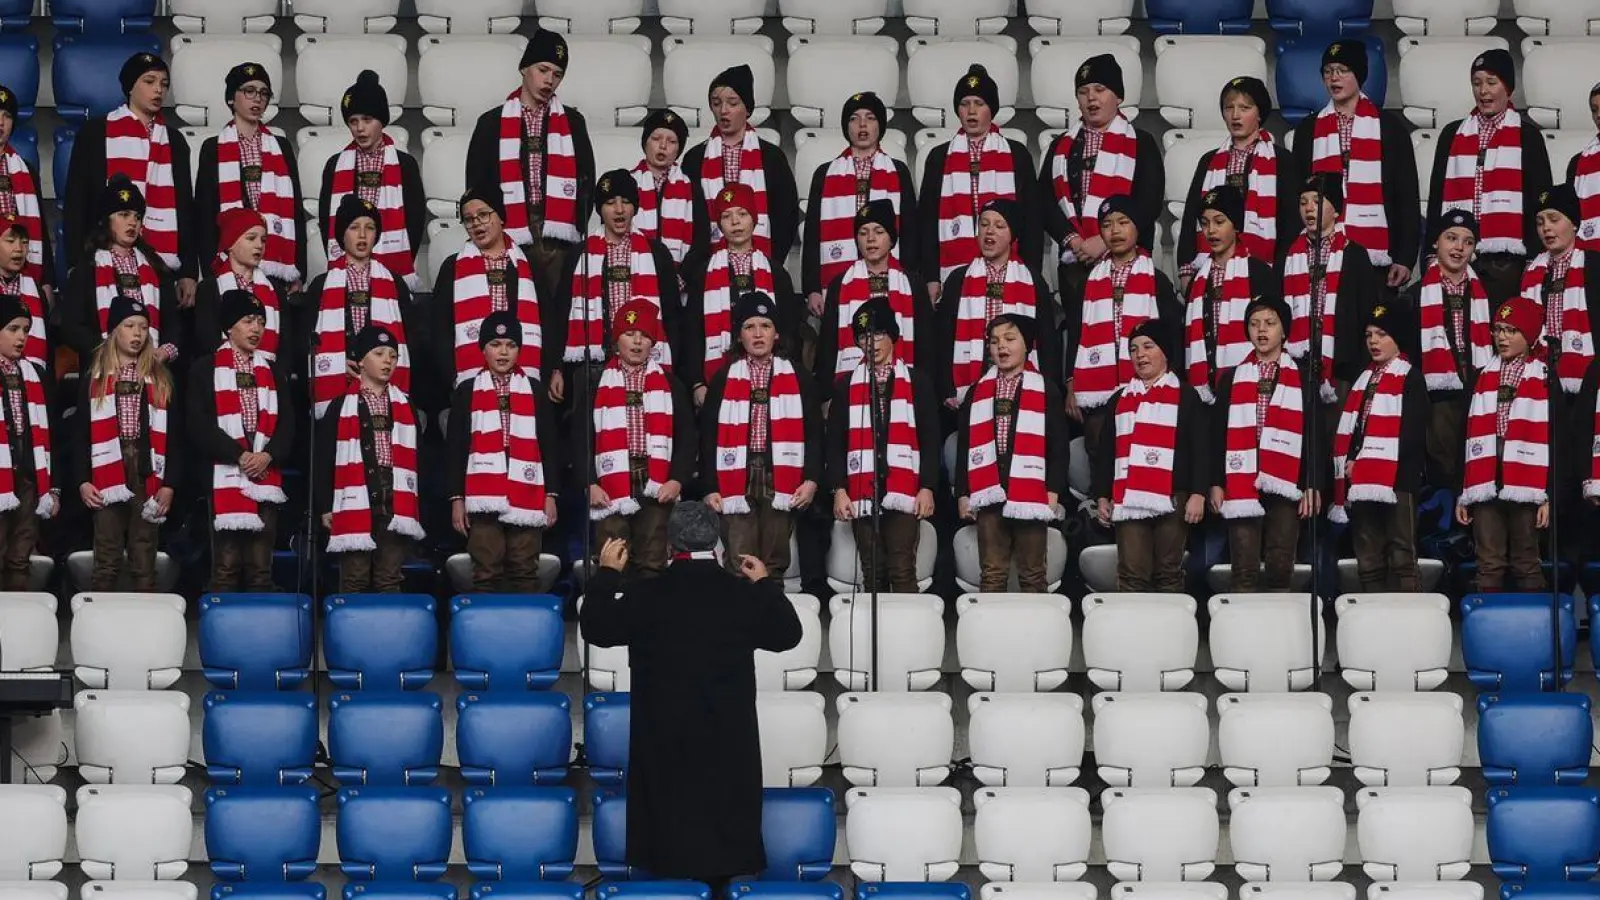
x: 1092, y: 142
x: 533, y: 120
x: 760, y: 413
x: 733, y: 161
x: 1555, y: 301
x: 502, y: 390
x: 1119, y: 283
x: 244, y: 364
x: 1486, y: 129
x: 129, y: 423
x: 1510, y: 379
x: 1455, y: 314
x: 884, y: 376
x: 382, y: 439
x: 250, y: 158
x: 127, y: 266
x: 1347, y: 127
x: 633, y: 383
x: 15, y: 402
x: 1238, y: 164
x: 1319, y: 285
x: 1005, y: 389
x: 8, y: 203
x: 994, y: 301
x: 974, y: 166
x: 369, y: 161
x: 1266, y: 374
x: 739, y: 263
x: 863, y: 166
x: 497, y: 286
x: 619, y: 255
x: 357, y: 280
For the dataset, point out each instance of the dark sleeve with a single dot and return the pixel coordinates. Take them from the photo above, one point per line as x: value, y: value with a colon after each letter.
x: 443, y: 338
x: 1170, y: 306
x: 191, y: 250
x: 1441, y: 160
x: 1577, y: 440
x: 1032, y: 241
x: 943, y: 374
x: 86, y: 174
x: 1536, y: 179
x: 700, y: 249
x: 837, y: 437
x: 76, y: 459
x: 932, y: 177
x: 1414, y: 429
x: 553, y: 312
x: 1264, y: 283
x: 207, y: 324
x: 1305, y: 134
x: 1150, y: 187
x: 1316, y: 461
x: 47, y: 258
x: 1105, y: 460
x: 910, y: 223
x: 413, y: 194
x: 925, y: 323
x: 483, y: 150
x: 811, y: 243
x: 167, y: 295
x: 1189, y: 225
x: 692, y: 364
x: 929, y: 439
x: 1050, y: 349
x: 1401, y: 195
x: 827, y: 355
x: 325, y: 200
x: 80, y: 318
x: 606, y: 616
x: 585, y: 152
x: 1216, y: 450
x: 177, y: 450
x: 212, y: 444
x: 1194, y: 416
x: 547, y: 419
x: 791, y: 306
x: 289, y: 159
x: 811, y: 403
x: 326, y: 437
x: 958, y: 478
x: 580, y: 430
x: 1365, y: 281
x: 1572, y: 174
x: 303, y: 308
x: 783, y: 200
x: 458, y: 440
x: 685, y: 450
x: 1057, y: 442
x: 281, y: 445
x: 770, y: 620
x: 1290, y: 177
x: 672, y: 313
x: 709, y: 411
x: 1054, y: 221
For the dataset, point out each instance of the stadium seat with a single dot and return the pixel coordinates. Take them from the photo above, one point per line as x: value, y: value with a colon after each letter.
x: 528, y: 890
x: 895, y: 739
x: 609, y: 830
x: 903, y: 834
x: 1406, y: 740
x: 957, y: 18
x: 1564, y: 145
x: 385, y: 738
x: 1506, y: 641
x: 799, y: 828
x: 911, y: 648
x: 1546, y: 890
x: 1220, y: 576
x: 844, y: 563
x: 1415, y: 834
x: 1429, y: 571
x: 1531, y: 740
x: 1393, y: 642
x: 1150, y: 739
x: 25, y: 140
x: 1549, y: 68
x: 1188, y: 69
x: 609, y: 80
x: 794, y: 737
x: 1320, y: 18
x: 969, y: 576
x: 255, y: 642
x: 132, y: 737
x: 398, y: 891
x: 711, y: 17
x: 492, y: 17
x: 393, y: 834
x: 95, y: 17
x: 80, y: 563
x: 200, y: 62
x: 784, y: 890
x: 824, y: 71
x: 513, y: 738
x: 1031, y: 834
x: 1433, y: 76
x: 1306, y: 890
x: 39, y: 747
x: 33, y: 831
x: 19, y: 69
x: 932, y: 66
x: 259, y: 738
x: 691, y: 63
x: 1160, y: 834
x: 1014, y: 642
x: 1543, y: 833
x: 128, y: 832
x: 16, y: 15
x: 134, y: 890
x: 444, y: 237
x: 223, y: 16
x: 380, y: 641
x: 29, y: 632
x: 912, y: 891
x: 826, y: 17
x: 1080, y: 18
x: 1425, y: 143
x: 1025, y: 740
x: 607, y: 666
x: 262, y: 834
x: 326, y: 64
x: 520, y: 833
x: 1287, y: 833
x: 459, y: 565
x: 616, y: 148
x: 1140, y: 642
x: 591, y: 16
x: 1055, y: 63
x: 796, y: 668
x: 1199, y: 16
x: 654, y: 890
x: 450, y: 76
x: 269, y: 891
x: 1168, y: 890
x: 1446, y: 18
x: 506, y: 642
x: 346, y: 16
x: 1263, y: 642
x: 606, y: 721
x: 1299, y: 76
x: 444, y: 179
x: 1558, y: 18
x: 1275, y: 740
x: 83, y: 72
x: 128, y: 641
x: 1182, y: 150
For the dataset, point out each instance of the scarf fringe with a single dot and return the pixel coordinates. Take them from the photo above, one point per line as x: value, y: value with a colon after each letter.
x: 1093, y: 399
x: 1371, y: 493
x: 1206, y: 396
x: 48, y: 506
x: 1243, y: 509
x: 352, y: 543
x: 8, y: 502
x: 405, y: 525
x: 736, y: 506
x: 986, y: 498
x: 1028, y: 512
x: 264, y: 493
x: 117, y: 494
x: 1128, y: 513
x: 525, y: 518
x: 1477, y: 494
x: 238, y: 522
x: 1591, y: 488
x: 899, y: 503
x: 1443, y: 381
x: 148, y: 512
x: 1513, y: 494
x: 1268, y: 484
x: 627, y: 506
x: 783, y: 502
x: 1338, y: 516
x: 561, y: 231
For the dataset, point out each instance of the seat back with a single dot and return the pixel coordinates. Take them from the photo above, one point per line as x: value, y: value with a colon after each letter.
x: 1534, y: 739
x: 606, y: 727
x: 506, y: 642
x: 794, y: 737
x: 1032, y: 834
x: 450, y: 96
x: 385, y: 738
x: 1414, y: 834
x: 520, y: 833
x: 1434, y: 76
x: 1140, y: 642
x: 1555, y: 18
x: 1446, y: 18
x: 1160, y: 834
x: 609, y: 80
x: 1025, y: 740
x: 824, y: 72
x: 1547, y: 64
x: 393, y: 834
x: 128, y: 641
x: 895, y: 739
x: 259, y: 738
x: 909, y: 651
x: 326, y: 65
x: 1275, y: 740
x: 1543, y: 833
x: 798, y: 828
x: 346, y: 16
x: 1089, y: 18
x: 903, y: 834
x: 1287, y: 833
x: 223, y: 16
x: 1017, y: 642
x: 133, y: 832
x: 505, y: 738
x: 255, y: 642
x: 1506, y: 641
x: 794, y: 669
x: 262, y: 833
x: 1394, y: 642
x: 933, y: 66
x: 380, y: 641
x: 1199, y: 16
x: 591, y: 16
x: 30, y: 634
x: 33, y: 831
x: 201, y: 61
x: 1263, y: 642
x: 1190, y: 100
x: 691, y: 63
x: 1405, y: 739
x: 1151, y: 739
x: 132, y: 737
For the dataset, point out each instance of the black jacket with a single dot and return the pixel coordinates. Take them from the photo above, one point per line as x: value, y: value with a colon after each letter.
x: 1401, y: 195
x: 1026, y: 231
x: 208, y: 326
x: 1360, y: 284
x: 926, y: 329
x: 811, y: 245
x: 1315, y: 463
x: 1264, y: 283
x: 1535, y: 180
x: 812, y: 407
x: 1149, y: 188
x: 1056, y: 444
x: 560, y: 306
x: 783, y: 199
x: 80, y: 316
x: 212, y: 444
x: 1049, y: 328
x: 685, y: 439
x: 483, y: 157
x: 20, y: 435
x: 208, y: 205
x: 458, y: 443
x: 692, y: 330
x: 442, y: 339
x: 1289, y: 179
x: 412, y: 194
x: 301, y: 322
x: 929, y: 440
x: 1414, y: 412
x: 86, y: 176
x: 1170, y: 308
x: 1193, y: 472
x: 74, y: 452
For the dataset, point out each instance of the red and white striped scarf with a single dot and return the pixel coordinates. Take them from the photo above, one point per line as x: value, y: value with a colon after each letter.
x: 352, y: 496
x: 1297, y: 293
x: 902, y: 463
x: 1025, y: 494
x: 667, y: 217
x: 1498, y: 203
x: 751, y: 174
x: 786, y: 441
x: 856, y: 289
x: 25, y: 200
x: 589, y: 312
x: 1102, y: 364
x: 394, y: 242
x: 1112, y: 175
x: 236, y: 499
x: 276, y: 205
x: 144, y: 155
x: 1262, y: 456
x: 37, y: 348
x: 1591, y: 485
x: 1377, y: 462
x: 505, y: 470
x: 1364, y: 214
x: 836, y: 219
x: 105, y: 449
x: 1146, y: 420
x: 227, y: 280
x: 473, y: 304
x: 1515, y: 467
x: 1260, y: 233
x: 106, y: 290
x: 716, y: 304
x: 1586, y: 182
x: 38, y: 427
x: 958, y: 206
x: 332, y: 380
x: 1438, y: 359
x: 1577, y: 338
x: 560, y: 174
x: 1019, y: 296
x: 612, y: 463
x: 1233, y: 344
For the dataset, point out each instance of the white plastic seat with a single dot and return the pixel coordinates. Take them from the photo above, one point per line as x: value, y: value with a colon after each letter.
x: 346, y: 16
x: 1433, y: 76
x: 958, y: 18
x: 1415, y: 834
x: 895, y: 740
x: 1429, y: 571
x: 1424, y: 144
x: 844, y: 561
x: 138, y: 890
x: 691, y: 63
x: 128, y: 641
x: 796, y: 668
x: 40, y: 747
x: 1425, y: 890
x: 459, y: 565
x: 453, y: 80
x: 482, y: 17
x: 1160, y: 834
x: 134, y: 832
x: 969, y: 574
x: 712, y: 17
x: 591, y: 16
x: 1558, y: 18
x: 32, y: 890
x: 1087, y: 18
x: 1168, y: 890
x: 1151, y: 739
x: 1287, y: 833
x: 1563, y: 146
x: 1038, y: 890
x: 1275, y: 740
x: 132, y: 737
x: 1406, y: 739
x: 1550, y: 67
x: 1189, y: 68
x: 903, y: 834
x: 1031, y: 834
x: 1262, y: 642
x: 1446, y: 18
x: 824, y: 72
x: 1025, y: 740
x: 1183, y: 150
x: 1393, y: 642
x: 201, y: 62
x: 833, y: 17
x: 1288, y: 890
x: 911, y: 648
x: 609, y: 79
x: 933, y: 66
x: 327, y: 64
x: 1098, y: 565
x: 608, y: 666
x: 223, y: 16
x: 794, y: 737
x: 1140, y: 642
x: 1014, y: 642
x: 444, y: 168
x: 615, y: 148
x: 29, y: 632
x: 445, y: 237
x: 316, y: 252
x: 33, y: 831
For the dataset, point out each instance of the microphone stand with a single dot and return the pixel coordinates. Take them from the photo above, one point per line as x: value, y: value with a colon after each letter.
x: 585, y: 412
x: 1553, y: 347
x: 1317, y: 263
x: 868, y: 344
x: 312, y: 556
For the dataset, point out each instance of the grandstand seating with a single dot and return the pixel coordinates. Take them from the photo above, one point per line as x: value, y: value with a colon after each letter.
x: 386, y: 738
x: 259, y: 738
x: 394, y: 834
x: 513, y: 739
x: 1406, y: 740
x: 1534, y: 739
x: 262, y: 834
x: 520, y: 833
x: 378, y: 641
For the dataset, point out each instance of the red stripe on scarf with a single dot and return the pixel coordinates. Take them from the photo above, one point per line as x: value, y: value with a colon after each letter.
x: 394, y: 248
x: 856, y: 289
x: 1516, y: 467
x: 235, y: 500
x: 612, y: 462
x: 560, y: 174
x: 786, y: 436
x: 1499, y: 206
x: 144, y: 155
x: 1262, y: 457
x: 332, y: 380
x: 957, y: 205
x: 473, y: 304
x: 505, y: 472
x: 836, y: 222
x: 1025, y: 494
x: 1019, y: 296
x: 902, y: 467
x: 276, y: 206
x: 1260, y: 233
x: 1364, y: 214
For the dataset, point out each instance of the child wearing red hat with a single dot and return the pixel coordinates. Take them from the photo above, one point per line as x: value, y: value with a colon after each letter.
x: 241, y: 251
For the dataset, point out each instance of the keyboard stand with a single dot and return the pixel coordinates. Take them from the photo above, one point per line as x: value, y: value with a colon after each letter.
x: 28, y: 694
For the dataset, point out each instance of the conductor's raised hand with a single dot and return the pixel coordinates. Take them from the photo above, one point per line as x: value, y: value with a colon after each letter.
x: 752, y: 568
x: 614, y: 554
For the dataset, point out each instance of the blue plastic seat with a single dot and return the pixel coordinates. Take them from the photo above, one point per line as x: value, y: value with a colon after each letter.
x: 65, y: 138
x: 259, y: 738
x: 1320, y: 18
x: 527, y: 890
x: 514, y: 739
x: 393, y: 834
x: 307, y: 890
x: 1544, y: 833
x: 263, y: 833
x: 102, y: 16
x: 783, y: 890
x: 511, y: 642
x: 16, y: 15
x: 654, y: 890
x: 609, y: 830
x: 380, y: 641
x: 398, y: 890
x: 248, y: 642
x: 520, y: 833
x: 25, y: 140
x: 901, y: 890
x: 85, y: 71
x: 1534, y: 739
x: 1299, y: 78
x: 1505, y: 641
x: 19, y: 70
x: 1199, y: 16
x: 386, y: 738
x: 799, y: 828
x: 605, y: 737
x: 1552, y: 890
